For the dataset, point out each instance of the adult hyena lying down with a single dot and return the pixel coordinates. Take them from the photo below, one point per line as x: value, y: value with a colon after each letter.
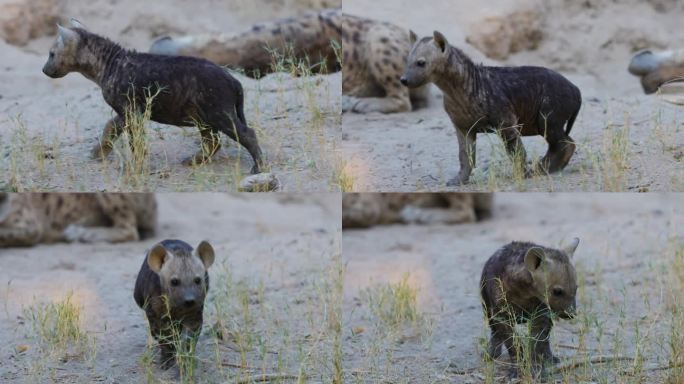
x: 513, y: 101
x: 375, y: 54
x: 656, y: 69
x: 314, y: 36
x: 191, y: 90
x: 28, y: 219
x: 363, y: 210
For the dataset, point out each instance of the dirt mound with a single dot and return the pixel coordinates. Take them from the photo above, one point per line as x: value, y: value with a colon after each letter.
x: 500, y: 36
x: 23, y: 20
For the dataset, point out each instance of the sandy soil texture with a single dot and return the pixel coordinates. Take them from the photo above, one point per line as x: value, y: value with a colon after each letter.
x: 47, y: 126
x: 630, y: 275
x: 627, y: 141
x: 271, y: 284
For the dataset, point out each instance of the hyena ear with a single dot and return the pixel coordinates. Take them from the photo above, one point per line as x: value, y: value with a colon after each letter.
x: 412, y: 37
x: 571, y: 247
x: 77, y: 24
x: 156, y: 257
x: 441, y: 41
x: 206, y: 253
x: 66, y: 34
x: 533, y: 258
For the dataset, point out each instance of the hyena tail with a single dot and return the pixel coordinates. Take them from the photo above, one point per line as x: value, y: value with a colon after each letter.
x: 240, y: 107
x: 572, y: 118
x: 571, y: 121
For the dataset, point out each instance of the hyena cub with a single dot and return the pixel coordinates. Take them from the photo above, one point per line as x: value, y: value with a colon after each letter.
x: 525, y: 282
x: 192, y: 91
x: 171, y: 287
x: 513, y: 101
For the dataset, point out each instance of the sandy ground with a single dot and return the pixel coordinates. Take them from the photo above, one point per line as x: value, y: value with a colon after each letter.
x: 273, y: 254
x: 589, y: 45
x: 623, y: 261
x: 47, y: 126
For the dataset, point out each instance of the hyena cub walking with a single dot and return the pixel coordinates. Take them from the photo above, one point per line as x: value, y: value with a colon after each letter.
x: 525, y: 282
x: 513, y: 101
x: 192, y: 91
x: 171, y: 287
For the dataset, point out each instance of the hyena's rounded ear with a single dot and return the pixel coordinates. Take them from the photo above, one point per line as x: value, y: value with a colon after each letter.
x: 66, y: 34
x: 441, y: 41
x: 534, y: 258
x: 156, y: 257
x: 77, y: 24
x: 571, y: 247
x: 412, y: 37
x: 206, y: 253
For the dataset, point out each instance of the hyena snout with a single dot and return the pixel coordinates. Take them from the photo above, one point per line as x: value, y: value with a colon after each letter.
x: 568, y: 312
x: 51, y: 70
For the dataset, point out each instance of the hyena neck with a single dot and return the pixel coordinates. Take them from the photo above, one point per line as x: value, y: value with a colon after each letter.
x: 97, y: 55
x: 461, y: 77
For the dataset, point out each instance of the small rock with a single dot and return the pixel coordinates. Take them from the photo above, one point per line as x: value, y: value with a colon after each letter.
x: 21, y: 348
x: 261, y: 182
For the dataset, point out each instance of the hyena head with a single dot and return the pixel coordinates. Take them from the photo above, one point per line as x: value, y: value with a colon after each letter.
x: 182, y: 273
x: 554, y: 278
x: 428, y: 57
x: 64, y: 53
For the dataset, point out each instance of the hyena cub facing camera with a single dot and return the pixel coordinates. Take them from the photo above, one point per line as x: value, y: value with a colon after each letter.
x: 171, y: 287
x: 512, y: 101
x: 525, y: 282
x: 189, y: 91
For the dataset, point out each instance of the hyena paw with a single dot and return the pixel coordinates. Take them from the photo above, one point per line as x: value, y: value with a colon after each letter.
x: 414, y: 215
x: 457, y: 181
x: 75, y: 233
x: 98, y: 152
x: 348, y: 103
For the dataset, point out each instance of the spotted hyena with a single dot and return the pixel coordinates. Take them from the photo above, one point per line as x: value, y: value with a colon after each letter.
x: 512, y: 101
x: 375, y: 54
x: 360, y: 210
x: 27, y: 219
x: 171, y: 287
x: 525, y: 282
x: 656, y: 69
x: 189, y: 91
x: 313, y: 36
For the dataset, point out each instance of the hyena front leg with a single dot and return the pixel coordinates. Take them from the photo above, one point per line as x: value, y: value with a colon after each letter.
x: 21, y: 236
x: 111, y: 132
x: 397, y: 99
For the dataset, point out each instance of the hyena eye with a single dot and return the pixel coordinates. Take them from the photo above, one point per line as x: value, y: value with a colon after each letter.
x: 175, y: 282
x: 557, y: 292
x: 52, y: 55
x: 420, y: 62
x: 198, y: 280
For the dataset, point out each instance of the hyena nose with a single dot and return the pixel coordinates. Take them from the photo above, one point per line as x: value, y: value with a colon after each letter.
x: 190, y: 303
x: 404, y: 80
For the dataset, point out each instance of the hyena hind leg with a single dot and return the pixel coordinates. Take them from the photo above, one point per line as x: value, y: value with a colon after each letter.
x: 210, y: 144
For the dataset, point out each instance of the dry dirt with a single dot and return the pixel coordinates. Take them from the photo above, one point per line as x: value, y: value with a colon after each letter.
x: 47, y: 126
x: 627, y: 140
x: 270, y: 277
x: 624, y: 261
